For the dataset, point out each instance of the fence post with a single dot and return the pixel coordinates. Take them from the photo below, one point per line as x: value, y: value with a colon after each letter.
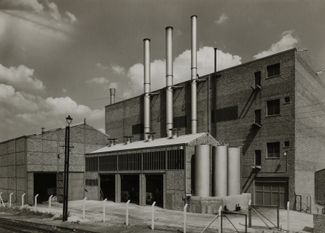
x: 127, y: 213
x: 250, y: 213
x: 185, y: 217
x: 35, y: 201
x: 84, y: 208
x: 153, y: 215
x: 23, y: 200
x: 220, y: 219
x: 104, y: 209
x: 288, y: 216
x: 1, y: 200
x: 278, y: 217
x: 10, y: 199
x: 50, y: 201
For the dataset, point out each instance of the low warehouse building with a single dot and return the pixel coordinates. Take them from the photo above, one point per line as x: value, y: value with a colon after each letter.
x: 34, y: 164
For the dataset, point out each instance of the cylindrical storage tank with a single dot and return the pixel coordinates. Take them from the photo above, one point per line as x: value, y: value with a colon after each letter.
x: 220, y: 181
x: 202, y: 171
x: 233, y: 170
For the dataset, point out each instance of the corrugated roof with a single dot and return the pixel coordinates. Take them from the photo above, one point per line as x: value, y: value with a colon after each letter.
x: 188, y: 139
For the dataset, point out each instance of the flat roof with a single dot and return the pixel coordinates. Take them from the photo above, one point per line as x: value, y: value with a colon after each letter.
x: 187, y: 139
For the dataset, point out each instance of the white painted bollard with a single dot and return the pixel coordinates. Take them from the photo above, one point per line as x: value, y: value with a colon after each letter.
x: 288, y: 216
x: 35, y: 201
x: 23, y: 200
x: 220, y: 220
x: 185, y: 217
x: 50, y: 201
x: 127, y: 213
x: 10, y: 199
x: 104, y: 209
x: 153, y: 215
x: 84, y: 208
x: 1, y: 200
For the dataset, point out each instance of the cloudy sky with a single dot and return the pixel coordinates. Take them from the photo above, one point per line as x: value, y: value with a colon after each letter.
x: 60, y: 57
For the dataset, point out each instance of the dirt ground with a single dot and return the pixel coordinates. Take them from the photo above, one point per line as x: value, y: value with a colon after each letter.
x: 165, y: 220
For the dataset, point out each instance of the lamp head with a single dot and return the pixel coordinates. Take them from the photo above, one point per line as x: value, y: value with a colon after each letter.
x: 68, y: 119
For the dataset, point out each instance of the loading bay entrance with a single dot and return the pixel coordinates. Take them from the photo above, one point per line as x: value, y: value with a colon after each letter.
x: 271, y: 193
x: 155, y: 190
x: 44, y: 185
x: 130, y: 188
x: 107, y: 187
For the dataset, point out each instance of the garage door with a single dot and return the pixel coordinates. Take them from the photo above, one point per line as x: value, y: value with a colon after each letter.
x: 271, y: 193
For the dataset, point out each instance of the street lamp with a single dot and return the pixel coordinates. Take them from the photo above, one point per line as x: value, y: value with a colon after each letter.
x: 66, y: 169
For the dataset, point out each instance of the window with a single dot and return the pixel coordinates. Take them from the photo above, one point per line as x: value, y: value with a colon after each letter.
x: 273, y: 107
x: 92, y: 164
x: 257, y: 75
x: 258, y: 158
x: 286, y: 144
x: 226, y: 114
x: 258, y: 116
x: 287, y: 99
x: 273, y: 150
x: 273, y: 70
x: 154, y: 160
x: 108, y: 163
x: 137, y: 129
x: 175, y: 159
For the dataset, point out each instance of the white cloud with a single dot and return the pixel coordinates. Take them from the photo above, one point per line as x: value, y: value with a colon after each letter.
x: 287, y: 41
x: 182, y: 71
x: 71, y: 17
x: 32, y: 5
x: 20, y: 77
x: 101, y: 66
x: 118, y: 69
x: 222, y: 19
x: 98, y: 80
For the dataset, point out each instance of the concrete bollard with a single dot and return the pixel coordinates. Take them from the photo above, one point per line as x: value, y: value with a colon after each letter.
x: 153, y: 215
x: 84, y: 208
x: 50, y: 201
x: 1, y: 200
x: 23, y: 200
x: 127, y: 213
x: 35, y: 201
x: 220, y: 220
x: 104, y: 209
x: 10, y: 199
x: 288, y: 216
x: 185, y: 217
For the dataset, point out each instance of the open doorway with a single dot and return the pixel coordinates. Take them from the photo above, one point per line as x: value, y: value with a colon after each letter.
x: 155, y: 190
x: 107, y: 187
x: 130, y: 188
x: 44, y: 185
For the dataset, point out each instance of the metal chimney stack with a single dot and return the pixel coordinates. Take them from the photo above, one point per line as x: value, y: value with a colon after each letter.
x: 112, y: 92
x: 147, y: 87
x: 194, y: 74
x: 169, y: 81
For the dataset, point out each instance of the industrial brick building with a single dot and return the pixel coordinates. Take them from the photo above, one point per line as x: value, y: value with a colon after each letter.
x: 34, y: 164
x: 271, y: 107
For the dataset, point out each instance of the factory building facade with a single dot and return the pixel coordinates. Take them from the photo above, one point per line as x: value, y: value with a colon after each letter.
x: 34, y: 164
x: 262, y: 106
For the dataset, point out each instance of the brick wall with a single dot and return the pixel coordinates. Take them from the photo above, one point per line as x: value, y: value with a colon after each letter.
x: 319, y: 223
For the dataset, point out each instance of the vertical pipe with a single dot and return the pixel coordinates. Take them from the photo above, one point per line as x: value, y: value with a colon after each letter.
x: 220, y: 173
x: 202, y: 170
x: 215, y: 60
x: 193, y: 74
x: 112, y: 92
x: 147, y: 73
x: 233, y: 170
x: 169, y: 81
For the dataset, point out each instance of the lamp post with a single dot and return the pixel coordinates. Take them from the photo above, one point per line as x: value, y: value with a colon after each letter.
x: 66, y: 169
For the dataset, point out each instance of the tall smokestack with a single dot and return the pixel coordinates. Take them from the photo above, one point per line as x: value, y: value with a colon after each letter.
x: 169, y: 81
x: 193, y: 74
x: 112, y: 92
x: 147, y: 87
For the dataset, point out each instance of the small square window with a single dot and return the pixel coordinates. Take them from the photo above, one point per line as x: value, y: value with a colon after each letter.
x: 287, y: 99
x: 273, y: 107
x: 258, y: 116
x: 273, y: 149
x: 258, y: 158
x: 273, y: 70
x: 258, y: 76
x: 286, y: 144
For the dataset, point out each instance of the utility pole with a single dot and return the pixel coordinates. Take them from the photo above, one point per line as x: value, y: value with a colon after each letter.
x: 66, y: 170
